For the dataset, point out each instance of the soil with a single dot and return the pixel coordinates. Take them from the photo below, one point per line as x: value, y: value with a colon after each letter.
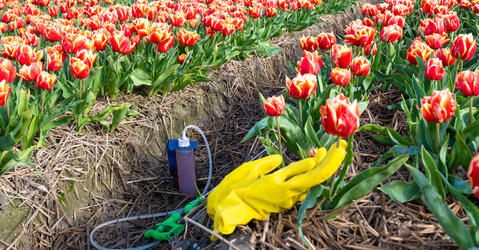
x: 93, y: 177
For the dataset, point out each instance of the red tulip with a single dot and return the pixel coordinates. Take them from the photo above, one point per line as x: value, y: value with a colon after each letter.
x: 341, y: 55
x: 445, y: 55
x: 164, y: 47
x: 101, y: 39
x: 159, y: 34
x: 270, y: 12
x: 302, y: 86
x: 371, y: 49
x: 187, y: 38
x: 274, y: 106
x: 418, y: 48
x: 464, y: 47
x: 181, y: 58
x: 3, y: 27
x: 326, y: 40
x: 310, y: 63
x: 25, y: 55
x: 369, y: 10
x: 4, y: 92
x: 52, y: 33
x: 339, y: 116
x: 142, y: 27
x: 87, y: 56
x: 473, y: 174
x: 390, y: 19
x: 308, y: 44
x: 7, y: 70
x: 255, y: 11
x: 438, y: 107
x: 79, y: 69
x: 468, y: 83
x: 451, y: 22
x: 53, y: 11
x: 359, y: 34
x: 121, y: 43
x: 436, y: 41
x: 391, y: 33
x: 45, y: 80
x: 30, y: 73
x: 340, y: 76
x: 30, y: 38
x: 360, y: 66
x: 177, y: 19
x: 432, y: 26
x: 434, y: 69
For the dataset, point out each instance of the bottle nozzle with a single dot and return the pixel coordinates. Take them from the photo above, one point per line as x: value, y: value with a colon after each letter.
x: 184, y: 142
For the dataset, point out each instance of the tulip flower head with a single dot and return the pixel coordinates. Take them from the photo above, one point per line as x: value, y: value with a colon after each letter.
x: 30, y: 73
x: 310, y: 63
x: 468, y: 83
x: 391, y: 33
x: 4, y: 92
x: 473, y: 174
x: 302, y: 86
x: 341, y: 55
x: 438, y: 107
x: 340, y: 117
x: 340, y: 76
x: 445, y: 56
x: 434, y: 69
x: 187, y: 38
x: 309, y: 44
x: 326, y: 40
x: 436, y: 41
x: 360, y: 66
x: 463, y: 47
x: 7, y: 70
x: 418, y: 48
x: 79, y: 69
x: 275, y: 105
x: 45, y: 80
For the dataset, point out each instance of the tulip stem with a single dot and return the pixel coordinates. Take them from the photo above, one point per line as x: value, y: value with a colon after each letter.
x: 337, y: 141
x: 300, y: 103
x: 279, y: 137
x: 471, y: 102
x: 8, y: 110
x: 438, y: 137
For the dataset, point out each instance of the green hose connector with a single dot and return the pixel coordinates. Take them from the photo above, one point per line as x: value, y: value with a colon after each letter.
x: 170, y: 228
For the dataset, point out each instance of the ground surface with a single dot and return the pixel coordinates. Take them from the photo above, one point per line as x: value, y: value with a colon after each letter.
x: 92, y: 177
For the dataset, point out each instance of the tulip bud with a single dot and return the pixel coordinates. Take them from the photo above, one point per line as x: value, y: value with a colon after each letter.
x: 339, y: 116
x: 312, y: 152
x: 341, y: 55
x: 4, y: 92
x: 473, y: 174
x: 360, y: 66
x: 181, y: 58
x: 468, y: 83
x: 464, y: 47
x: 302, y: 86
x: 164, y: 47
x: 340, y: 76
x: 438, y: 107
x: 434, y: 69
x: 45, y: 80
x: 274, y: 106
x: 445, y: 56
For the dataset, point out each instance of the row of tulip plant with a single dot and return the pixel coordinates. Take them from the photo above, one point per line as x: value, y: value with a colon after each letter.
x: 426, y: 49
x: 58, y: 56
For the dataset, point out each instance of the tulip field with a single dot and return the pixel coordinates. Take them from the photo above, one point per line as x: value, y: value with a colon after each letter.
x: 427, y: 50
x: 59, y: 57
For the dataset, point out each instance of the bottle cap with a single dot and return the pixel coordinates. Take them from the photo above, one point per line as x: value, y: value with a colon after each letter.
x: 184, y: 142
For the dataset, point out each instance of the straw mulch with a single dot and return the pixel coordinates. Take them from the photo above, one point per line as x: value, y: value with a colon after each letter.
x: 92, y: 177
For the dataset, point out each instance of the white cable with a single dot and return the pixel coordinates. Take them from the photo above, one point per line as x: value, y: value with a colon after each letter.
x: 204, y: 194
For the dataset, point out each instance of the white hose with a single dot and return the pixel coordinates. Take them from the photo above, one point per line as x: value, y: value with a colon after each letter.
x: 203, y: 194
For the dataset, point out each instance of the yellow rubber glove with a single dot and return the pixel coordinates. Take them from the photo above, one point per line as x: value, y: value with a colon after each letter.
x: 250, y: 193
